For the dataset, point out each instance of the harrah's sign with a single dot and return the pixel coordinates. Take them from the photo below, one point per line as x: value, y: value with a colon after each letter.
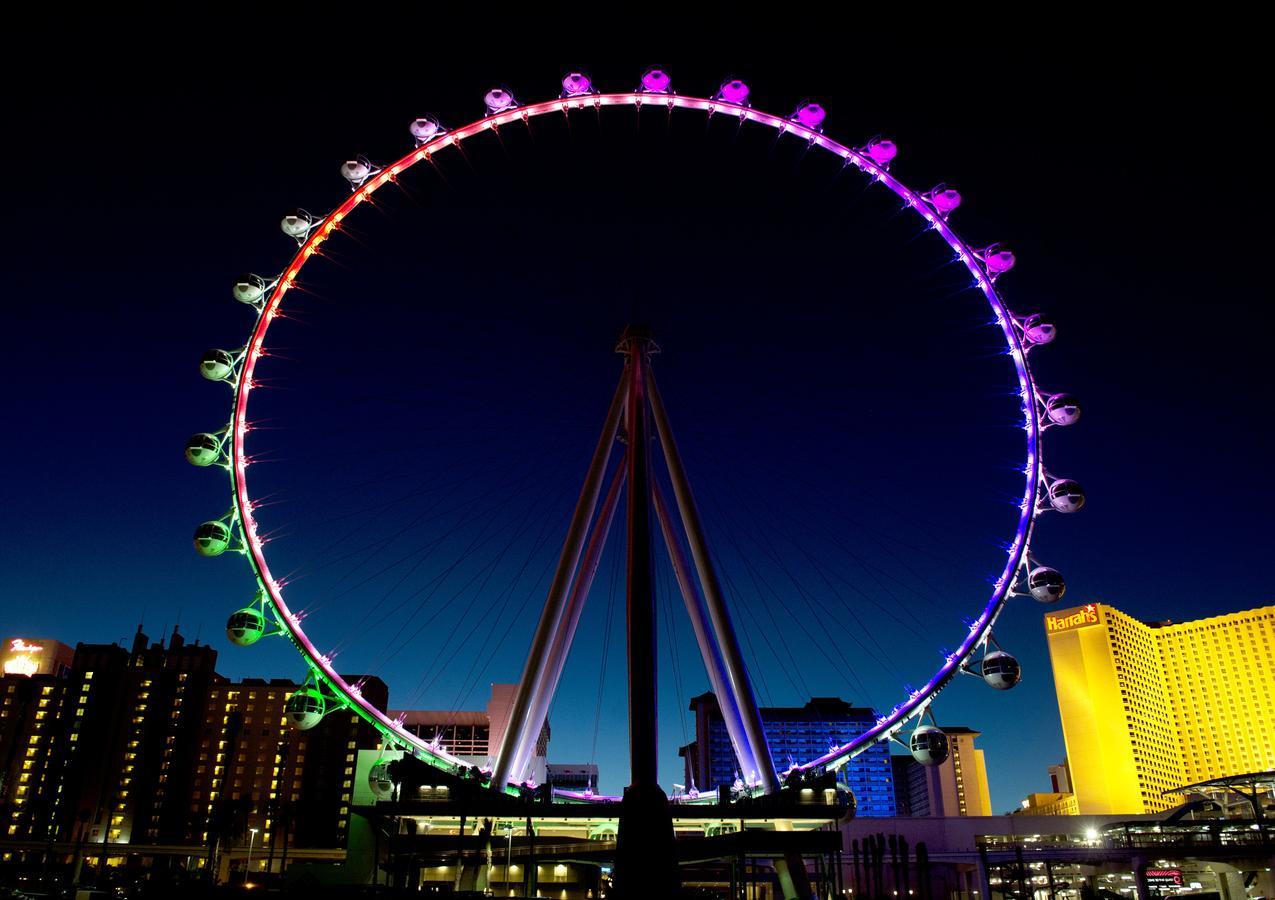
x: 1086, y: 615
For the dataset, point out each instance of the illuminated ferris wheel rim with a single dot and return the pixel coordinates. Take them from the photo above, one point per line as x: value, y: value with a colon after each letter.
x: 934, y: 207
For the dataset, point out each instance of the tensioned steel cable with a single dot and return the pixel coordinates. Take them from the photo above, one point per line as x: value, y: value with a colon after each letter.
x: 423, y: 552
x: 606, y: 648
x: 550, y: 526
x: 427, y: 515
x: 753, y: 661
x: 501, y: 597
x: 491, y: 564
x: 427, y: 591
x: 430, y: 545
x: 764, y: 586
x: 773, y: 518
x: 792, y: 670
x: 759, y: 581
x: 769, y: 549
x: 470, y: 680
x: 536, y: 589
x: 875, y: 534
x: 664, y: 592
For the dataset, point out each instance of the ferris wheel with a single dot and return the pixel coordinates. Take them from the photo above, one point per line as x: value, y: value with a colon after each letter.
x: 639, y: 425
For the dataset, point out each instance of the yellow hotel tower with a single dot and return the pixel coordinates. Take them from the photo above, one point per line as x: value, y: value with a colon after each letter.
x: 1147, y: 707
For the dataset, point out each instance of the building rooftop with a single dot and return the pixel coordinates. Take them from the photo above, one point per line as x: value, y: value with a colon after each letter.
x: 815, y: 708
x: 440, y: 717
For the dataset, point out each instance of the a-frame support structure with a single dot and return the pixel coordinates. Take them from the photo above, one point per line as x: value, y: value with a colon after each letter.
x: 638, y: 419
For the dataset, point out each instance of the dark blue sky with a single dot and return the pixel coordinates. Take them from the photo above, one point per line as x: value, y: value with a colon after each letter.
x: 838, y: 397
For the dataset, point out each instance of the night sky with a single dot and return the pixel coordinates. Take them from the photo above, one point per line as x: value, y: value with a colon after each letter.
x: 837, y: 390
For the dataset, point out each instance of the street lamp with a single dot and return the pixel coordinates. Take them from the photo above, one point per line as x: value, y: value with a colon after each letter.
x: 247, y: 872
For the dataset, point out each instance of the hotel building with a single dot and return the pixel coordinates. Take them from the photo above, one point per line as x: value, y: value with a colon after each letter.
x: 795, y: 734
x: 255, y: 772
x: 119, y: 747
x: 955, y: 787
x: 1147, y: 707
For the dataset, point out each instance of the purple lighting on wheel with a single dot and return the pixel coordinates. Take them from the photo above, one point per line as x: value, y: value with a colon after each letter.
x: 655, y: 81
x: 734, y: 91
x: 1020, y: 332
x: 576, y: 84
x: 1037, y: 330
x: 944, y: 199
x: 882, y: 150
x: 997, y: 258
x: 810, y: 115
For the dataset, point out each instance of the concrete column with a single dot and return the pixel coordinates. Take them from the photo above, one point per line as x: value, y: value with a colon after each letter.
x: 984, y: 881
x: 1230, y: 883
x: 1265, y: 884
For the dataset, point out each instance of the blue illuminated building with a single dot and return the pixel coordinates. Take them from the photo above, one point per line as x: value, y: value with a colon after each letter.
x: 795, y: 734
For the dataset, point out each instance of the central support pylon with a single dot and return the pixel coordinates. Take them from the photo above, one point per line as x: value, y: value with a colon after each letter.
x: 645, y: 864
x: 637, y: 346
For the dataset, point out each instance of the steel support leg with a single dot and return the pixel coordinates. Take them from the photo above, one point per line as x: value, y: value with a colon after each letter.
x: 740, y: 687
x: 703, y: 628
x: 520, y: 731
x: 563, y: 637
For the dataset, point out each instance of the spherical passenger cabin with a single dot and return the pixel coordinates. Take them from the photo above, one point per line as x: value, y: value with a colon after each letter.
x: 929, y: 745
x: 1001, y: 671
x: 1046, y: 584
x: 305, y: 708
x: 212, y: 538
x: 245, y: 626
x: 203, y: 449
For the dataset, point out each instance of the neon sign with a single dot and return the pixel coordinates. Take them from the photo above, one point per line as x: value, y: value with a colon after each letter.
x: 1164, y: 878
x: 23, y: 661
x: 1086, y: 615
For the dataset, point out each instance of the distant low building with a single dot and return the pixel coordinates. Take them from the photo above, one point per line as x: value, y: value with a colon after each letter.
x: 1060, y: 801
x: 1055, y: 803
x: 1060, y: 777
x: 956, y: 787
x: 573, y: 776
x: 796, y: 734
x: 475, y: 736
